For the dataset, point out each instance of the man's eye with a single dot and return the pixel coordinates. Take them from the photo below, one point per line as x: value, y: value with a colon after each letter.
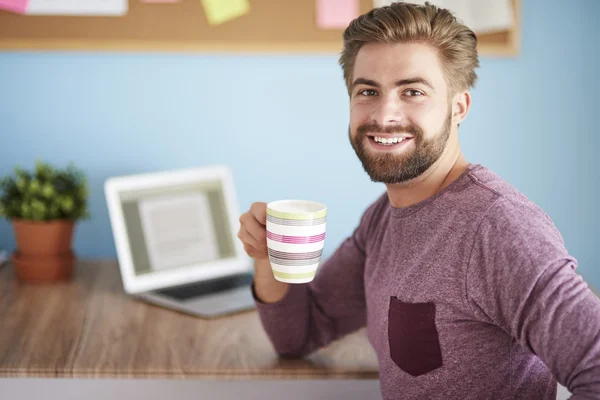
x: 367, y: 92
x: 414, y: 93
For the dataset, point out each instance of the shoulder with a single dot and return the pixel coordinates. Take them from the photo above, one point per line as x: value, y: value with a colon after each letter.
x: 372, y: 216
x: 508, y: 211
x: 515, y: 238
x: 377, y: 208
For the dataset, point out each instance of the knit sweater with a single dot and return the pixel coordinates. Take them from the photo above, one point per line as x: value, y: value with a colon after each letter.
x: 469, y: 294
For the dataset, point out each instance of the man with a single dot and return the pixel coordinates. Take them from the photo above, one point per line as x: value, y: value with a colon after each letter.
x: 465, y: 286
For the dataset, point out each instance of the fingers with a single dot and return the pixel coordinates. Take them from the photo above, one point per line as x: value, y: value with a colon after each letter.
x: 259, y: 210
x: 252, y: 246
x: 253, y: 233
x: 255, y: 228
x: 249, y: 240
x: 252, y: 252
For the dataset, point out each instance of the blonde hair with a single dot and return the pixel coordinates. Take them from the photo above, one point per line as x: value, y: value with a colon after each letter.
x: 404, y: 23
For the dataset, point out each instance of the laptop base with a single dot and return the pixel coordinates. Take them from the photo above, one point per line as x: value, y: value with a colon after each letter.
x: 214, y: 298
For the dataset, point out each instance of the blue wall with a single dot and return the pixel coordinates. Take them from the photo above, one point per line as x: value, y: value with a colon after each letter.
x: 532, y: 122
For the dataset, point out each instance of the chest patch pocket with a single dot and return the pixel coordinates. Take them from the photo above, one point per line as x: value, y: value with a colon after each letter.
x: 413, y: 337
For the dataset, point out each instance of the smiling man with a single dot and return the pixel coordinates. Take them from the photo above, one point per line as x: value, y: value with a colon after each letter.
x: 400, y: 127
x: 465, y: 286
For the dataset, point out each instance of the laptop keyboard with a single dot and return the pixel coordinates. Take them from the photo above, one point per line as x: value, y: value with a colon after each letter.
x: 207, y: 287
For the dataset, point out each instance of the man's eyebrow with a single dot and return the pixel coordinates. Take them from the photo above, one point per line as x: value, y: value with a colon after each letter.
x: 402, y: 82
x: 418, y: 79
x: 364, y: 81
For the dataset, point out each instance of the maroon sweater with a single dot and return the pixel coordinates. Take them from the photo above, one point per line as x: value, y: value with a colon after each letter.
x: 470, y: 294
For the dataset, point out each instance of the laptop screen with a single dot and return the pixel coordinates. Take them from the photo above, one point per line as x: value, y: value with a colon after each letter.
x: 177, y: 226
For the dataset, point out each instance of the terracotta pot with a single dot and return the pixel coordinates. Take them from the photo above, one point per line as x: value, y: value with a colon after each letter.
x: 43, y: 268
x: 43, y: 238
x: 43, y: 250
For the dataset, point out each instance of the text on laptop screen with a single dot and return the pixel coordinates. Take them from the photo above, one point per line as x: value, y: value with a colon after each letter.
x: 177, y: 226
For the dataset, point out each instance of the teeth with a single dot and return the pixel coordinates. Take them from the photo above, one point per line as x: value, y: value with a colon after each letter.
x: 387, y: 140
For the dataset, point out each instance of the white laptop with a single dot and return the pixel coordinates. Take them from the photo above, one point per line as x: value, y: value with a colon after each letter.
x: 176, y: 238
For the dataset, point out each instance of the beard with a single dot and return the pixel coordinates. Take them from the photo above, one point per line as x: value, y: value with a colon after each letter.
x: 397, y: 168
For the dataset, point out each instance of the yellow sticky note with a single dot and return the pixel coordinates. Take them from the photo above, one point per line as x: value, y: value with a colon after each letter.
x: 219, y: 11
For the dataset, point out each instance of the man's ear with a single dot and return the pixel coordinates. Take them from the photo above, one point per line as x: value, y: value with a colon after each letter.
x: 461, y: 103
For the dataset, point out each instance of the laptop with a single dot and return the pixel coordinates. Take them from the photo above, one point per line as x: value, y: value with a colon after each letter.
x: 175, y: 234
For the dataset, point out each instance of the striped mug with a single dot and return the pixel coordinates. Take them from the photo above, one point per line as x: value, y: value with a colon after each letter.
x: 295, y: 238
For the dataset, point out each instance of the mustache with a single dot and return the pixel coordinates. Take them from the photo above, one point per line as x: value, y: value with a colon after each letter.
x: 374, y: 127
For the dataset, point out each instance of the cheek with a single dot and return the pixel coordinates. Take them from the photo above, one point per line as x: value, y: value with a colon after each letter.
x: 359, y: 114
x: 428, y: 118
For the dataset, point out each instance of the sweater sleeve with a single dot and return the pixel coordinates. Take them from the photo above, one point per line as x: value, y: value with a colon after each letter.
x: 313, y: 314
x: 522, y: 279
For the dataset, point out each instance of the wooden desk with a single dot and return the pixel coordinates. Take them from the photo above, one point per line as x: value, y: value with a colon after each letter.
x: 89, y: 328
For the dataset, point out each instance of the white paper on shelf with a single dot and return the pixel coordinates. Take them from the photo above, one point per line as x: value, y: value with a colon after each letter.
x: 78, y: 7
x: 482, y: 16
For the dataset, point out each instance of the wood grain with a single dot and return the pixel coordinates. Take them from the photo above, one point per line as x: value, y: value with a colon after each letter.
x: 90, y: 328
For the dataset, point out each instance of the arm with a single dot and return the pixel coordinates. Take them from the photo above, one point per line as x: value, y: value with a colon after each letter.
x: 310, y: 316
x: 527, y: 285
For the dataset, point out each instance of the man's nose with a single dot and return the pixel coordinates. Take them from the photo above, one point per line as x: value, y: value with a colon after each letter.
x: 388, y: 111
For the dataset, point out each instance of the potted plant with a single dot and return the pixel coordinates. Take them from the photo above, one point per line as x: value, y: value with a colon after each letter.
x: 43, y: 206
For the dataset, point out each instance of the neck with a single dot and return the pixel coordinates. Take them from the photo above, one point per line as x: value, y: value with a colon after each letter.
x: 442, y: 173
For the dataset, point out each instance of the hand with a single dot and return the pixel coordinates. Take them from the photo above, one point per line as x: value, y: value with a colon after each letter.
x: 253, y: 231
x: 253, y: 234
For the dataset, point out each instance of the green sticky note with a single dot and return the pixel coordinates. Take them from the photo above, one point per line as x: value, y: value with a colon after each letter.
x: 219, y: 11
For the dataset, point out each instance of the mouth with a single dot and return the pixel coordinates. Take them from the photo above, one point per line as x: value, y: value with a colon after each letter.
x: 388, y: 142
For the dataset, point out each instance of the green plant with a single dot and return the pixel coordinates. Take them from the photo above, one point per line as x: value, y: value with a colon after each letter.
x: 45, y: 194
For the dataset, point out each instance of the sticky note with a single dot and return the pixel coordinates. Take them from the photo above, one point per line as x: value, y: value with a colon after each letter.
x: 336, y: 14
x: 17, y: 6
x: 220, y: 11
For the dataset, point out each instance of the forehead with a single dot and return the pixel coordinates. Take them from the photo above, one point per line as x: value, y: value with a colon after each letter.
x: 388, y: 63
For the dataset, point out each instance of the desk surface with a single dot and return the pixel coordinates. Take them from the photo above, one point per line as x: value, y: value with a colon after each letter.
x: 89, y: 327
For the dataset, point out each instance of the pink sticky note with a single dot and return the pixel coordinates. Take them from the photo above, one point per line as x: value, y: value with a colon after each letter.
x: 336, y: 14
x: 17, y: 6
